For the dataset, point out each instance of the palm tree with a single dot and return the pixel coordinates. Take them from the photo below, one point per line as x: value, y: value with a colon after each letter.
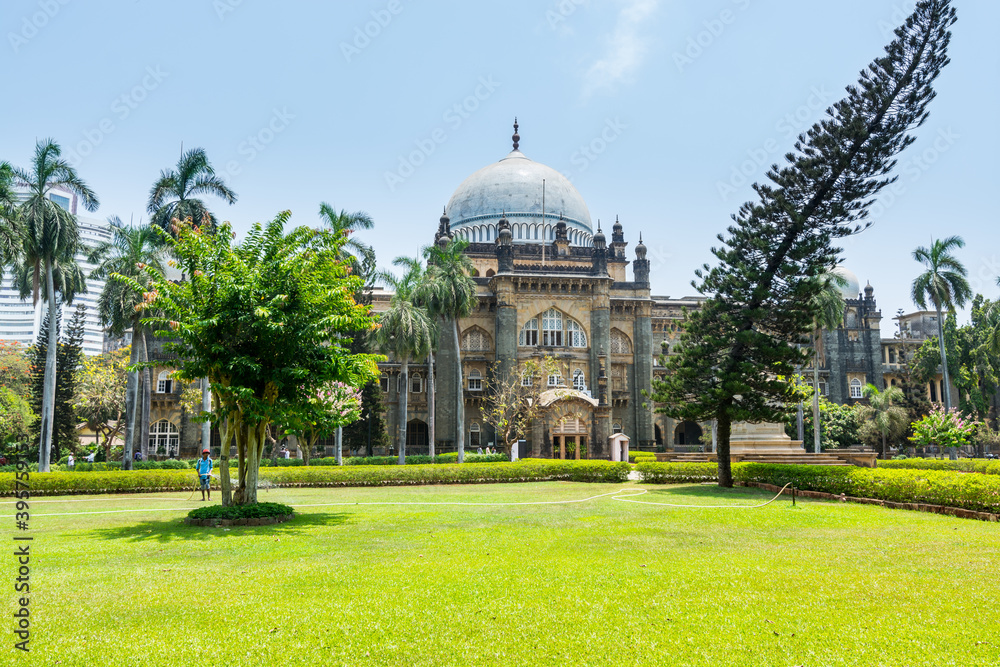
x: 9, y: 241
x: 880, y: 409
x: 453, y: 297
x: 993, y: 315
x: 128, y: 253
x: 405, y: 330
x: 344, y: 224
x: 943, y: 284
x: 50, y: 240
x: 174, y: 195
x: 828, y: 309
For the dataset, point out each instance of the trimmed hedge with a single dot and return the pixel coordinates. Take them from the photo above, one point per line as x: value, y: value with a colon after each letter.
x: 931, y: 487
x: 139, y: 481
x: 962, y: 465
x: 232, y: 512
x: 677, y: 473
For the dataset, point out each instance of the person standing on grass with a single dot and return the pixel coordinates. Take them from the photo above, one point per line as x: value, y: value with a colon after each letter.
x: 204, y: 468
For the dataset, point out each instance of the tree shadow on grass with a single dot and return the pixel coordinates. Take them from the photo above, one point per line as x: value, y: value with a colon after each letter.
x: 706, y: 491
x: 170, y: 530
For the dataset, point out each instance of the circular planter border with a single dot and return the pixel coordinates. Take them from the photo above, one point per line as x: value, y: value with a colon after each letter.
x: 259, y: 521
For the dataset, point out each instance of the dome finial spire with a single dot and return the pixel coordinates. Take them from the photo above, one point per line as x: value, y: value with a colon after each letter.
x: 516, y: 137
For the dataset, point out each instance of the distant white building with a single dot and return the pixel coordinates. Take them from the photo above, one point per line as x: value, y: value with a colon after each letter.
x: 21, y: 322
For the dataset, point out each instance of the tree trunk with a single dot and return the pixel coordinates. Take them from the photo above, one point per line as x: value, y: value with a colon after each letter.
x: 460, y: 394
x: 800, y: 430
x: 254, y: 448
x: 884, y: 453
x: 49, y: 383
x: 339, y: 445
x: 206, y: 406
x: 307, y: 450
x: 226, y: 436
x: 431, y: 435
x: 816, y: 438
x: 725, y: 429
x: 946, y: 382
x: 403, y: 408
x: 146, y: 389
x: 131, y: 401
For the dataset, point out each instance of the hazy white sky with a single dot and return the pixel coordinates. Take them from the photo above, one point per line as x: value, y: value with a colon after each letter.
x: 662, y: 112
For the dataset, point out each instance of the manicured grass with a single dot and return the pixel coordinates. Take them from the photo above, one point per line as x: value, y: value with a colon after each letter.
x: 594, y: 583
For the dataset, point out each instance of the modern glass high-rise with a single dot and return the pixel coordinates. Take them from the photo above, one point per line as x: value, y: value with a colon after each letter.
x: 21, y: 321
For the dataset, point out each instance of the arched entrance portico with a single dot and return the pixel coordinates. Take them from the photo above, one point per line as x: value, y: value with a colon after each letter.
x: 687, y: 433
x: 569, y: 418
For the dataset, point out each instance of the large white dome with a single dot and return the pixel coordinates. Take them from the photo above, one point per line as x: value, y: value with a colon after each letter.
x: 513, y: 186
x: 852, y: 287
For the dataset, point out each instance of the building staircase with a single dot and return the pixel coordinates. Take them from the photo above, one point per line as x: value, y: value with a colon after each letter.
x: 804, y: 458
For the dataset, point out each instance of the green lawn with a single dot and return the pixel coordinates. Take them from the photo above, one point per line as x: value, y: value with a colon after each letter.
x: 594, y: 583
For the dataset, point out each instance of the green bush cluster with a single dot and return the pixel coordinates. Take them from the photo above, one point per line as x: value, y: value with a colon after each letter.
x: 677, y: 473
x: 962, y: 465
x: 642, y: 457
x: 526, y: 470
x: 241, y: 511
x: 423, y: 459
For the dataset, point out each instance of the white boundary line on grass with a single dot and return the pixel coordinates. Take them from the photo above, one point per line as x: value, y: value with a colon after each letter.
x: 615, y: 495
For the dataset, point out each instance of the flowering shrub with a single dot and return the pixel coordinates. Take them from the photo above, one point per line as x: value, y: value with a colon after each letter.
x: 944, y: 429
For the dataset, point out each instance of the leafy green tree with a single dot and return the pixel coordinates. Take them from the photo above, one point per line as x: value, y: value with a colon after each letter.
x: 762, y: 293
x: 944, y: 285
x: 100, y: 396
x: 174, y: 195
x: 267, y: 321
x: 452, y: 296
x: 15, y: 367
x: 828, y: 313
x: 69, y: 354
x: 406, y: 331
x: 512, y: 403
x: 369, y: 431
x: 944, y: 429
x: 133, y: 252
x: 47, y: 266
x: 320, y: 415
x: 882, y: 416
x: 974, y: 368
x: 16, y: 418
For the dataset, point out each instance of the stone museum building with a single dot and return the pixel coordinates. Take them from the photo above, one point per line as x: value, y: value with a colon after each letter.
x: 552, y: 282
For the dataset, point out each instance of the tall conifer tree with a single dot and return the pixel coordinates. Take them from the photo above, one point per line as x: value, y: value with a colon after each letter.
x: 740, y: 345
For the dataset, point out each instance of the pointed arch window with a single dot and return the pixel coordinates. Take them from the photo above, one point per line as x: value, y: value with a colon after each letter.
x: 529, y: 333
x: 476, y: 340
x: 552, y: 328
x: 575, y: 335
x: 620, y: 343
x: 164, y: 438
x: 416, y: 384
x: 164, y: 384
x: 579, y: 380
x: 856, y: 391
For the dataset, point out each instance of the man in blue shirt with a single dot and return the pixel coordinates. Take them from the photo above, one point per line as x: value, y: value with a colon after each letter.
x: 204, y: 468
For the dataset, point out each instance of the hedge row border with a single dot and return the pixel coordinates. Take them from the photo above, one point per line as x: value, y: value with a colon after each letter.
x: 957, y: 512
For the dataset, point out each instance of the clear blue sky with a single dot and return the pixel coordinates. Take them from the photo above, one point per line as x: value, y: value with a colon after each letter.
x: 687, y: 92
